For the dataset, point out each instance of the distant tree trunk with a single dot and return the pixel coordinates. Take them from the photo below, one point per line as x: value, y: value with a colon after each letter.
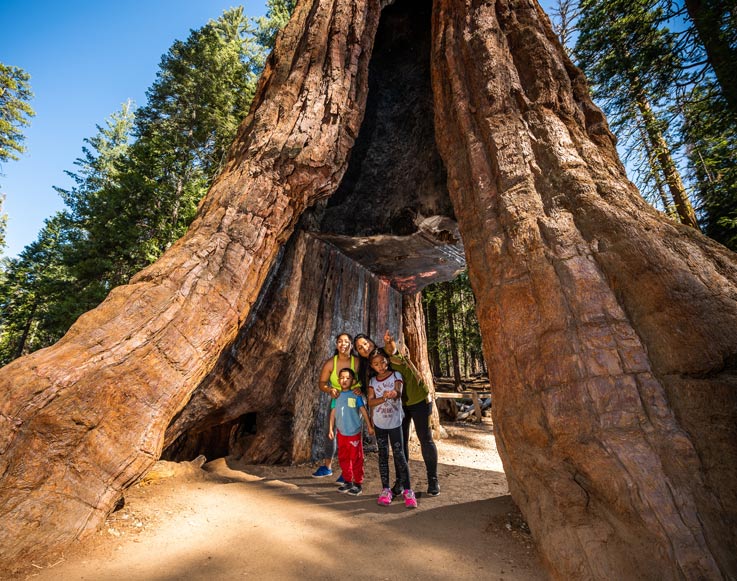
x: 662, y: 154
x: 449, y: 312
x: 668, y: 208
x: 464, y: 334
x: 432, y: 337
x: 714, y: 20
x: 446, y: 360
x: 26, y: 331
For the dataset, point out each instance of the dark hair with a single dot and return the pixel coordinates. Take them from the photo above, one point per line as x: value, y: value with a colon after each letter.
x: 364, y: 336
x: 350, y: 371
x: 378, y: 352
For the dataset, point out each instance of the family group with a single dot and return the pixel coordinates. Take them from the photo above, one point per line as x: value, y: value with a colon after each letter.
x: 380, y: 389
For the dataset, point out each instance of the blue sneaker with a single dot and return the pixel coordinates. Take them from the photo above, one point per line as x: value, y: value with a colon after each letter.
x: 321, y: 472
x: 340, y: 480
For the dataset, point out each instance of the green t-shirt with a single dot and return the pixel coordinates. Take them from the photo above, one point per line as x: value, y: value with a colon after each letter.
x: 414, y: 390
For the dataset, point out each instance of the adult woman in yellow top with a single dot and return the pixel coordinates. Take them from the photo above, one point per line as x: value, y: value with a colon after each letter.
x: 329, y: 383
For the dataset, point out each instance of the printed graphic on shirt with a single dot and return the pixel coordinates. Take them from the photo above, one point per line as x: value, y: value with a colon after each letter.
x: 389, y: 414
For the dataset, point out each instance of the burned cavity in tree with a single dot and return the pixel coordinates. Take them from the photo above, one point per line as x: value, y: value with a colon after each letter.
x: 392, y: 212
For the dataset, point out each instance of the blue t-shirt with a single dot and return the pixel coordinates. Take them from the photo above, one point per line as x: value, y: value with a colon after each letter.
x: 348, y: 418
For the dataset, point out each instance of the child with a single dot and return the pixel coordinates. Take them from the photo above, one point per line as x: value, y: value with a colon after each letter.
x: 346, y: 415
x: 385, y: 397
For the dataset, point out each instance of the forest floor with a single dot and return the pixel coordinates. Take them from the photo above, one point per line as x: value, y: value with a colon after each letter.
x: 235, y: 521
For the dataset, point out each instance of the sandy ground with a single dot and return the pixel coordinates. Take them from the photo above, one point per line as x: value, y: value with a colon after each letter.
x: 236, y: 521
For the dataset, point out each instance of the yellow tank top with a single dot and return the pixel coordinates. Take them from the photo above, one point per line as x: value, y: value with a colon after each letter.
x: 334, y: 374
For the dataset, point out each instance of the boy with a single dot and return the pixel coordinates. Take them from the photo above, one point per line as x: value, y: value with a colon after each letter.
x: 346, y: 415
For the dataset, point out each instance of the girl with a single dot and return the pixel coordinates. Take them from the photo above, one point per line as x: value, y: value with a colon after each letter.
x: 385, y: 399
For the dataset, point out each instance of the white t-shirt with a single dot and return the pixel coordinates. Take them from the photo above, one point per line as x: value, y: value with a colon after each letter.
x: 389, y: 414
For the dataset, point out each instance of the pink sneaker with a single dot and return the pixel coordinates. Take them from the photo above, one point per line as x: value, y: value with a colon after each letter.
x: 409, y: 499
x: 385, y: 498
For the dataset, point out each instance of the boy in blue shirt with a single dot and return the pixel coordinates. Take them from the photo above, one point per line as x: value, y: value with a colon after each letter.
x: 347, y: 414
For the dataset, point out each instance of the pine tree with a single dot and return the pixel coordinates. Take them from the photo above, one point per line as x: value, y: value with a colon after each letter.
x: 92, y: 207
x: 710, y: 132
x: 138, y: 182
x: 3, y: 222
x: 277, y: 16
x: 15, y: 110
x: 201, y: 94
x: 715, y: 22
x: 634, y: 68
x: 34, y: 294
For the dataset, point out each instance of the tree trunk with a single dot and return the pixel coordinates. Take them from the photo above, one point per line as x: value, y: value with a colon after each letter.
x: 23, y: 341
x: 125, y: 369
x: 432, y: 337
x: 713, y: 20
x: 448, y: 300
x: 668, y: 209
x: 464, y: 334
x: 662, y: 155
x: 597, y: 314
x: 413, y: 329
x: 266, y: 379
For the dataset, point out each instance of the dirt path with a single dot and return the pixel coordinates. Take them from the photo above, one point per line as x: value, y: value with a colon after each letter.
x: 274, y: 522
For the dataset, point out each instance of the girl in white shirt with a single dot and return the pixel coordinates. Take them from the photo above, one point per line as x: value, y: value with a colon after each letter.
x: 385, y: 399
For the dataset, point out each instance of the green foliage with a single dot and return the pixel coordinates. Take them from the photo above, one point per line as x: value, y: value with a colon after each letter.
x: 709, y: 131
x: 34, y: 294
x: 467, y: 336
x: 202, y: 92
x: 15, y: 111
x: 138, y: 181
x: 634, y: 67
x: 3, y: 222
x: 278, y: 13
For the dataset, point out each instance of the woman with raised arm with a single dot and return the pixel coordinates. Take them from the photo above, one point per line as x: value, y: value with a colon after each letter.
x: 417, y: 405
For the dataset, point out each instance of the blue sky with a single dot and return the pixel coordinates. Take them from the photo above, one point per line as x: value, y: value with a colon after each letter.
x: 85, y: 58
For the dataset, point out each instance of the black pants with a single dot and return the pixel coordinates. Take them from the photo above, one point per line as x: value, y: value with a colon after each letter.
x: 420, y: 414
x: 383, y: 438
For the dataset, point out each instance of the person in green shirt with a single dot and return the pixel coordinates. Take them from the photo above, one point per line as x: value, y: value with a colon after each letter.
x: 416, y: 402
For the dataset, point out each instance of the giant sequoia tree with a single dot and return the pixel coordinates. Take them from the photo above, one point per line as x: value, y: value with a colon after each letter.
x: 610, y: 334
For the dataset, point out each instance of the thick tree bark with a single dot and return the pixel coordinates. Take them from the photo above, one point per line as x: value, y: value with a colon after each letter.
x: 597, y: 315
x: 125, y: 369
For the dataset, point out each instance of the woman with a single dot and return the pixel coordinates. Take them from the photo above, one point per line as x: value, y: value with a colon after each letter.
x: 329, y: 383
x: 416, y: 403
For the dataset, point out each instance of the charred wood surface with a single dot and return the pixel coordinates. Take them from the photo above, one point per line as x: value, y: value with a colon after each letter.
x: 268, y: 377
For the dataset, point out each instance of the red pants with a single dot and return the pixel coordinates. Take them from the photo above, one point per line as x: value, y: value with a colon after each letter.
x: 350, y: 456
